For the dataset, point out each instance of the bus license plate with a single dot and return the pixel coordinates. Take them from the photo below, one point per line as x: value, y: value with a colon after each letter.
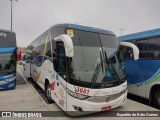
x: 106, y: 108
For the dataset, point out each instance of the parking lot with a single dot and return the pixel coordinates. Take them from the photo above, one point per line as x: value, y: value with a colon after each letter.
x: 29, y: 97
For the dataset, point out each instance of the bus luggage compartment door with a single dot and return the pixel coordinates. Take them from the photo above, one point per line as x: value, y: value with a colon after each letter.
x: 27, y: 70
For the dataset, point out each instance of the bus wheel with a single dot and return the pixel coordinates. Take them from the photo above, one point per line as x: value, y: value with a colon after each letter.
x: 48, y: 93
x: 157, y: 99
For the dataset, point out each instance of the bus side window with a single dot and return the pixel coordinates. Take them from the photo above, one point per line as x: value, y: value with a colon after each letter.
x: 127, y: 52
x: 154, y: 48
x: 143, y: 46
x: 61, y: 60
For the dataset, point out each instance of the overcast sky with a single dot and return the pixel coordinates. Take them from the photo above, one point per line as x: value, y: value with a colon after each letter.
x: 32, y: 17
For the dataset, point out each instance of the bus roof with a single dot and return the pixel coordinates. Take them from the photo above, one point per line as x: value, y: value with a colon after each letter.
x: 139, y: 35
x: 86, y: 28
x: 4, y: 30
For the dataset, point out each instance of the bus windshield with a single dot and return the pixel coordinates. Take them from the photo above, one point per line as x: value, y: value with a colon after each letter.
x: 7, y: 63
x: 8, y: 39
x: 98, y: 62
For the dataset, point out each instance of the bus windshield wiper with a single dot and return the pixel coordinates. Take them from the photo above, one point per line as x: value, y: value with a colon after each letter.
x: 97, y: 70
x: 101, y: 62
x: 96, y: 73
x: 108, y: 63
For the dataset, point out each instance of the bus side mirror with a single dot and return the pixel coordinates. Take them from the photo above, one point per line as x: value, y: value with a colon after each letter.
x: 134, y: 48
x: 68, y: 44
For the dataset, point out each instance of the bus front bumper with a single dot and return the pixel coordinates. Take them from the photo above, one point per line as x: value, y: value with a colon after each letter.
x: 76, y: 107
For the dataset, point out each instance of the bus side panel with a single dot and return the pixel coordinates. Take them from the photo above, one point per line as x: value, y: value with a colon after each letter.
x: 27, y: 70
x: 139, y: 75
x: 131, y: 76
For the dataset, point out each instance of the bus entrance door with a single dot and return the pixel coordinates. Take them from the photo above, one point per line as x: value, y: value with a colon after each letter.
x: 61, y: 60
x: 61, y: 75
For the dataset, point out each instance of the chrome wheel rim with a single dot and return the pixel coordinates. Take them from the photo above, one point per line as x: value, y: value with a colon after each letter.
x: 48, y: 92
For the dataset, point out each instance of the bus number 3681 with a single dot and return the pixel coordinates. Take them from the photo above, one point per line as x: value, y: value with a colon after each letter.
x: 82, y: 90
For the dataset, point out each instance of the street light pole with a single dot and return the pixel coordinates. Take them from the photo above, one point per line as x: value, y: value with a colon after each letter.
x: 122, y: 29
x: 11, y: 11
x: 11, y: 14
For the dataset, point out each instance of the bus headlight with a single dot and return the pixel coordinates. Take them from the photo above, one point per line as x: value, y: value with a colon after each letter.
x: 76, y: 95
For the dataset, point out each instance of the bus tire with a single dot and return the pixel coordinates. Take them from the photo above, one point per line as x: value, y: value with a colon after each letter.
x: 29, y: 79
x: 48, y: 93
x: 156, y: 99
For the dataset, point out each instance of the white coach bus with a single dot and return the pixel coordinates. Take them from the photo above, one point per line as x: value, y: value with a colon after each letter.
x: 79, y: 67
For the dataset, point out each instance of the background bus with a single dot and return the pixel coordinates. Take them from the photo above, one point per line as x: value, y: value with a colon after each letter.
x: 79, y: 67
x: 7, y: 59
x: 143, y: 76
